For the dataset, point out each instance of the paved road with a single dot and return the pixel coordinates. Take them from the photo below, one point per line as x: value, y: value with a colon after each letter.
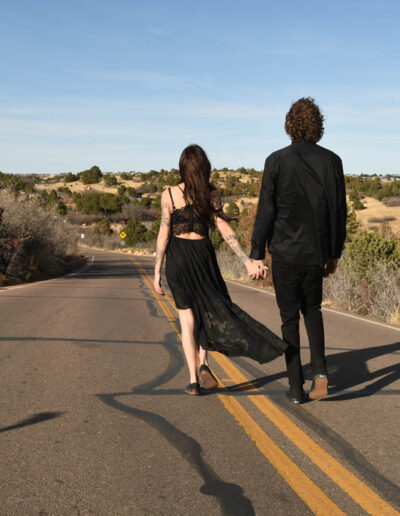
x: 94, y: 420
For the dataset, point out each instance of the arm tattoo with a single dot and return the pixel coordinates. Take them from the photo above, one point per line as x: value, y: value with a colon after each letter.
x: 233, y: 242
x: 159, y: 258
x: 165, y: 215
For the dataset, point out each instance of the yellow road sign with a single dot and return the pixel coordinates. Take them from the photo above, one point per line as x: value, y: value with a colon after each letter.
x: 122, y: 234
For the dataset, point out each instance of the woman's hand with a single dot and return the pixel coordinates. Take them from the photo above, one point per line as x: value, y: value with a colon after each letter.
x: 253, y: 269
x: 157, y: 283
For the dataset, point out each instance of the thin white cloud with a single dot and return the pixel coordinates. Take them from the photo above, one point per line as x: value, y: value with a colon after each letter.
x: 162, y: 33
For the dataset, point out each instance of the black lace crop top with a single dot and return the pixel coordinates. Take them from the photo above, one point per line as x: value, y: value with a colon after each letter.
x: 184, y: 220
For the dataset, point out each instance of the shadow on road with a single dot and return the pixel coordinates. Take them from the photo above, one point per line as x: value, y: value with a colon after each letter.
x: 33, y: 420
x: 348, y: 369
x: 230, y: 497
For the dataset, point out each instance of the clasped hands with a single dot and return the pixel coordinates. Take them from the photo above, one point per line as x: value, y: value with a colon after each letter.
x: 256, y: 269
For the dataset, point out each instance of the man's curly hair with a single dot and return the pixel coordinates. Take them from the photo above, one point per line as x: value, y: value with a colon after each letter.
x: 305, y: 120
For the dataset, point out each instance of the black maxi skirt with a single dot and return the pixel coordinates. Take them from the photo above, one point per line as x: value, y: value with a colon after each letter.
x: 195, y: 281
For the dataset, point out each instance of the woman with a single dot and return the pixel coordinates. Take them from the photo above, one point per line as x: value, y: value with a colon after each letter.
x: 209, y: 320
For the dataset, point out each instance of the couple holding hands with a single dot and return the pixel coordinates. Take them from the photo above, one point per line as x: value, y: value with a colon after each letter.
x: 301, y: 216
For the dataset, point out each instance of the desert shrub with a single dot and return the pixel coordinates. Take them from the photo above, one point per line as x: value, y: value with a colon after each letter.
x: 231, y: 267
x: 78, y: 218
x: 130, y: 211
x: 358, y: 205
x: 95, y: 202
x: 64, y: 190
x: 356, y: 201
x: 102, y: 240
x: 126, y: 176
x: 61, y: 208
x: 93, y: 175
x: 381, y: 219
x: 135, y: 231
x: 352, y: 223
x: 70, y: 178
x: 368, y: 249
x: 130, y: 191
x: 391, y: 201
x: 121, y: 190
x: 375, y: 293
x: 102, y: 227
x: 391, y: 189
x: 152, y: 233
x: 216, y: 238
x: 109, y: 179
x: 110, y: 203
x: 53, y: 198
x: 15, y: 183
x: 23, y: 218
x: 233, y: 209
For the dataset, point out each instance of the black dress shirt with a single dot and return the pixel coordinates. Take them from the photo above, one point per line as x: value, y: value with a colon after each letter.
x: 302, y: 206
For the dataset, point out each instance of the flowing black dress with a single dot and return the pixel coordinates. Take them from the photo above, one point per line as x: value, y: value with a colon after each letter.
x: 195, y: 281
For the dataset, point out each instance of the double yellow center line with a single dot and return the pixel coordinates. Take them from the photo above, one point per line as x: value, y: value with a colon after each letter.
x: 306, y: 489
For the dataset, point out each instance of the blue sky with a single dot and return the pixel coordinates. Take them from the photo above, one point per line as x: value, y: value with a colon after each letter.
x: 127, y: 85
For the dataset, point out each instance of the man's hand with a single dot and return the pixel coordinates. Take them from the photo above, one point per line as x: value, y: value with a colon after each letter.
x: 330, y: 267
x: 252, y: 269
x: 261, y: 267
x: 255, y: 269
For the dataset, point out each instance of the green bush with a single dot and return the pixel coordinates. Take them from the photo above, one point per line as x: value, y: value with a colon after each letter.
x: 126, y: 176
x: 61, y: 209
x: 110, y: 203
x: 14, y: 183
x: 216, y: 238
x: 93, y: 175
x: 353, y: 224
x: 233, y: 209
x: 64, y: 189
x: 367, y: 249
x: 109, y: 180
x: 358, y: 205
x: 152, y: 233
x: 69, y: 178
x: 391, y: 189
x: 135, y: 232
x: 94, y: 202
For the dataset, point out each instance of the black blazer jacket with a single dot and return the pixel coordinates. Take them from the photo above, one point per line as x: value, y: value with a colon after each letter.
x: 302, y: 206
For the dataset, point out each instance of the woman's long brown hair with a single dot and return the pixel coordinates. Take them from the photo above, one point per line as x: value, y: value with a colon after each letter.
x: 195, y: 170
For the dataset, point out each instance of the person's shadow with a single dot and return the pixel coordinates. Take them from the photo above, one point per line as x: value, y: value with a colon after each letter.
x: 350, y: 368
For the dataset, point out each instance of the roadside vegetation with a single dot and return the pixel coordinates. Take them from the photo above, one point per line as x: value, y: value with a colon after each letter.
x: 93, y: 207
x: 35, y: 243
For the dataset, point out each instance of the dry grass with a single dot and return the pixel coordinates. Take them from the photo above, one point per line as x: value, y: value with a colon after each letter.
x: 78, y: 186
x: 231, y: 267
x: 376, y: 211
x: 22, y: 218
x: 377, y: 295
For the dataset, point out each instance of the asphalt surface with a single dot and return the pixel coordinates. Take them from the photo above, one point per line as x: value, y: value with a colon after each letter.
x: 94, y: 420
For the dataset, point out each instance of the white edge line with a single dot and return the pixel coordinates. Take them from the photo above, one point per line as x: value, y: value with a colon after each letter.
x: 14, y: 287
x: 358, y: 318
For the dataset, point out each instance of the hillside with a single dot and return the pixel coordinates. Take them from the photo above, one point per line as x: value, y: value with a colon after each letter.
x: 237, y: 186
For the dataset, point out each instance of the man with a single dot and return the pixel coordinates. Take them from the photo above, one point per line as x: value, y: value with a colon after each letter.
x: 302, y: 216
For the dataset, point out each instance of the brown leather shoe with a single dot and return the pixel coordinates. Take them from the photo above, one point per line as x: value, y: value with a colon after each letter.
x: 208, y: 380
x: 319, y: 388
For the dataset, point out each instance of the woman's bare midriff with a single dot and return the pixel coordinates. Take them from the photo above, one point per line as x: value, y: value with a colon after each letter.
x: 191, y: 236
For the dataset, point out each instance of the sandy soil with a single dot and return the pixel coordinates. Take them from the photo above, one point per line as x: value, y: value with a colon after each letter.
x: 78, y: 186
x: 376, y: 209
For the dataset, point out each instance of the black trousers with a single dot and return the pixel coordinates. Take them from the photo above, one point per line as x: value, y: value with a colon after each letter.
x: 299, y: 288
